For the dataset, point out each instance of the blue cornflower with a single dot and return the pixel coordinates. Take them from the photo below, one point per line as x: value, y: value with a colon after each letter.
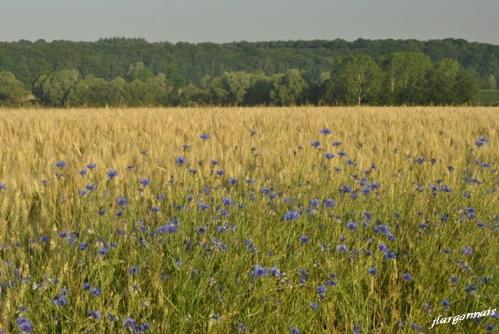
x: 179, y: 161
x: 144, y: 182
x: 291, y: 215
x: 294, y: 330
x: 203, y: 206
x: 24, y: 325
x: 467, y: 250
x: 134, y: 270
x: 61, y: 299
x: 204, y: 136
x: 61, y: 164
x: 104, y: 250
x: 470, y: 288
x: 321, y: 289
x: 90, y: 187
x: 168, y: 228
x: 326, y: 131
x: 314, y: 306
x: 470, y: 213
x: 96, y: 292
x: 351, y: 225
x: 481, y: 141
x: 86, y: 286
x: 219, y: 172
x: 407, y: 277
x: 372, y: 270
x: 227, y: 201
x: 274, y: 271
x: 83, y: 172
x: 314, y: 202
x: 315, y: 144
x: 91, y: 165
x: 304, y: 239
x: 83, y: 246
x: 445, y: 303
x: 3, y: 186
x: 328, y: 155
x: 336, y: 143
x: 111, y: 173
x: 122, y: 201
x: 130, y: 323
x: 341, y: 248
x: 232, y: 181
x: 329, y: 203
x: 390, y: 255
x: 94, y: 314
x: 258, y: 271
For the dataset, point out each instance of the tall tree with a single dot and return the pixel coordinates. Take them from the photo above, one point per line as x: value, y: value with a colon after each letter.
x: 405, y: 78
x: 288, y: 89
x: 357, y: 80
x: 442, y: 82
x: 53, y: 89
x: 12, y: 91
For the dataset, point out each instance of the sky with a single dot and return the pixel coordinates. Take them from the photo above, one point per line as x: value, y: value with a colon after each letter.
x: 250, y: 20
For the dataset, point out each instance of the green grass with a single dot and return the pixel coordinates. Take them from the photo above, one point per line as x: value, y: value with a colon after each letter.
x: 193, y: 282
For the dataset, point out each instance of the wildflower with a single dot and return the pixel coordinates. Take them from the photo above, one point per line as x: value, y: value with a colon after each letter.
x: 372, y: 271
x: 314, y: 202
x: 61, y: 299
x: 232, y: 181
x: 467, y: 250
x: 329, y: 203
x: 304, y: 239
x: 294, y: 330
x: 179, y: 161
x: 227, y: 201
x: 407, y: 277
x: 326, y: 131
x: 351, y: 225
x: 321, y: 289
x: 24, y: 325
x: 258, y: 271
x: 111, y: 173
x: 122, y: 201
x: 144, y: 182
x: 91, y: 165
x: 86, y: 286
x: 315, y: 144
x: 481, y: 141
x: 134, y: 270
x: 204, y: 136
x: 96, y: 292
x: 314, y: 306
x: 291, y: 215
x: 341, y: 248
x: 445, y: 303
x: 328, y: 155
x: 275, y: 272
x: 60, y: 164
x: 94, y: 314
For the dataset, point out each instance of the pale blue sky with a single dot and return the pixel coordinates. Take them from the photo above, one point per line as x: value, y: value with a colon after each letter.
x: 234, y: 20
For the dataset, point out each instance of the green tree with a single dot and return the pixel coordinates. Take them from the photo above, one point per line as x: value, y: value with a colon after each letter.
x: 405, y: 78
x: 442, y: 80
x: 53, y: 89
x: 288, y: 89
x: 467, y: 89
x: 12, y: 91
x: 357, y: 80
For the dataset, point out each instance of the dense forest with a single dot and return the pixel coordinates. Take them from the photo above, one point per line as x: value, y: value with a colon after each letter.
x: 135, y: 72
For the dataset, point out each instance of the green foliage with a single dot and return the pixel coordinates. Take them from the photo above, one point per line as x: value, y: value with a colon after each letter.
x: 12, y: 91
x: 357, y: 80
x: 53, y: 89
x: 288, y: 89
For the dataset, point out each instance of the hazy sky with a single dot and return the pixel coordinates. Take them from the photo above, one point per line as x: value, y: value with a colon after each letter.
x: 231, y: 20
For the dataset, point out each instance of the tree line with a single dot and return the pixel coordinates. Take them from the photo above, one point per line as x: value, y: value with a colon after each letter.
x: 400, y: 78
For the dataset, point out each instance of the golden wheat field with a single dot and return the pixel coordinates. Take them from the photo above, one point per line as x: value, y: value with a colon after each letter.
x: 257, y: 220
